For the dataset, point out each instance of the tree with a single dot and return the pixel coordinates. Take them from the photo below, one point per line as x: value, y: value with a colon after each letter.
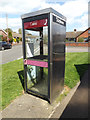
x: 9, y: 30
x: 80, y: 39
x: 20, y: 31
x: 9, y: 34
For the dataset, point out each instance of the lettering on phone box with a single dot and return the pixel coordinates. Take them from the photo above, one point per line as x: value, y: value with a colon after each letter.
x: 59, y: 21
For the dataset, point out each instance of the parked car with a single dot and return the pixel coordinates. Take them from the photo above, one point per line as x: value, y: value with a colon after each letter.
x: 5, y: 45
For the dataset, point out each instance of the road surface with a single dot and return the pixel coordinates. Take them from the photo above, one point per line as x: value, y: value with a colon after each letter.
x: 76, y: 49
x: 78, y: 105
x: 16, y: 52
x: 11, y: 54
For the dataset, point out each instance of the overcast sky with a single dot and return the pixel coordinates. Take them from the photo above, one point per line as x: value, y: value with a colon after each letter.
x: 76, y: 12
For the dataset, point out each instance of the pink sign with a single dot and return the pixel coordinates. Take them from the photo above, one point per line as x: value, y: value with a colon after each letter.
x: 36, y: 63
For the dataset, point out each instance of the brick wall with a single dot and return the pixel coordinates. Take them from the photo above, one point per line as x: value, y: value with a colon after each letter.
x: 83, y: 44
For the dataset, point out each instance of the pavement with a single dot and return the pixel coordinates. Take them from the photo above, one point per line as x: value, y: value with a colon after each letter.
x: 29, y: 106
x: 78, y: 105
x: 77, y: 49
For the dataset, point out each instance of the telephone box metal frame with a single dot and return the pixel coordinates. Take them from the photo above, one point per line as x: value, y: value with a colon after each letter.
x: 56, y: 50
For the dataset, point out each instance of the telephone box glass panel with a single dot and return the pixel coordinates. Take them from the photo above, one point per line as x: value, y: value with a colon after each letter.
x: 36, y: 41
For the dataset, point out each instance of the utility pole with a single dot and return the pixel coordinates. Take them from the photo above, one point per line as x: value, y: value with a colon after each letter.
x: 88, y: 14
x: 7, y: 25
x: 88, y: 20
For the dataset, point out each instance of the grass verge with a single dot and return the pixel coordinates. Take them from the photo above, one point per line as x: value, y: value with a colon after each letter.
x: 75, y: 66
x: 11, y: 85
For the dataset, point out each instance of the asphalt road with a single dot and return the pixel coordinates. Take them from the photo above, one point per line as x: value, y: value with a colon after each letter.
x: 78, y: 105
x: 16, y: 53
x: 76, y: 49
x: 11, y: 54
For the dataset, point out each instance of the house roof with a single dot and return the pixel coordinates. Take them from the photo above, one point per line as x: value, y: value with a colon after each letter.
x: 73, y: 34
x: 83, y: 32
x: 20, y: 35
x: 3, y: 31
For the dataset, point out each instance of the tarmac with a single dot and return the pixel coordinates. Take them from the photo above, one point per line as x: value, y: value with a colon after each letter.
x: 78, y: 105
x: 74, y: 105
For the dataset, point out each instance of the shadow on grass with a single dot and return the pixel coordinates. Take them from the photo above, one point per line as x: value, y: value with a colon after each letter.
x: 21, y: 77
x: 81, y: 69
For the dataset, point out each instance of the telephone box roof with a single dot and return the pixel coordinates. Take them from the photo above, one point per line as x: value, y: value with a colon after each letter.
x: 44, y: 11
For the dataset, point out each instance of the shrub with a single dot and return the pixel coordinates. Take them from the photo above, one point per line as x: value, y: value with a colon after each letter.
x: 20, y: 39
x: 80, y: 39
x: 4, y: 38
x: 17, y: 40
x: 11, y: 41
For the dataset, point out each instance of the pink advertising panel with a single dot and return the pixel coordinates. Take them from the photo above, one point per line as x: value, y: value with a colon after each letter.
x: 36, y: 63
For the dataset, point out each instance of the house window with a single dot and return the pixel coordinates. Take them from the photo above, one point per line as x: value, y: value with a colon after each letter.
x: 85, y: 39
x: 88, y: 31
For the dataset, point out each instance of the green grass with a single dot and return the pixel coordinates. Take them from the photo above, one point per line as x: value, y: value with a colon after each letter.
x: 61, y: 96
x: 75, y: 66
x: 11, y: 85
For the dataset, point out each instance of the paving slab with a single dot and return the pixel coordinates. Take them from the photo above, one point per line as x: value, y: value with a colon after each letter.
x: 29, y: 106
